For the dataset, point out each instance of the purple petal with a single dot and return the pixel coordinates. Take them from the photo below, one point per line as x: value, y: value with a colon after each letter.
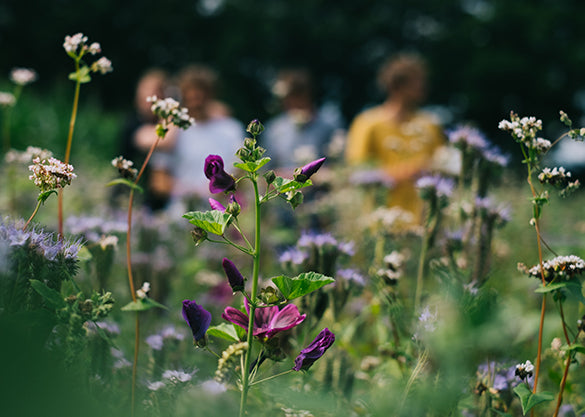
x: 216, y: 205
x: 285, y: 319
x: 234, y: 276
x: 235, y: 316
x: 312, y: 167
x: 197, y: 318
x: 315, y: 350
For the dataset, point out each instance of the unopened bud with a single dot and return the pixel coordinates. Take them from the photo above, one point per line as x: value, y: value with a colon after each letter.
x: 255, y: 127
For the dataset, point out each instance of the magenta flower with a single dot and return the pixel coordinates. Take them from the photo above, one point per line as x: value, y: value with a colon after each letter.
x: 304, y: 173
x: 314, y: 351
x: 216, y: 205
x: 234, y: 276
x: 219, y: 180
x: 198, y: 320
x: 268, y: 321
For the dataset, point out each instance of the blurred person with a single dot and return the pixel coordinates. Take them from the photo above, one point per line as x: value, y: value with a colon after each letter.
x: 139, y: 133
x: 396, y: 136
x: 214, y: 132
x: 301, y: 132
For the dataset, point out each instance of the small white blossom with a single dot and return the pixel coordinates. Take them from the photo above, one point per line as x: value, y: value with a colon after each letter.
x: 72, y: 43
x: 177, y: 376
x: 155, y: 386
x: 51, y: 174
x: 524, y: 370
x: 108, y: 241
x: 170, y: 110
x: 23, y: 76
x: 102, y: 65
x: 143, y: 291
x: 94, y: 48
x: 7, y: 99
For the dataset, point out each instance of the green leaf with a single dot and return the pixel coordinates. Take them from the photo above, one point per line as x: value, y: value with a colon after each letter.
x: 213, y: 221
x: 44, y: 195
x: 574, y: 347
x: 51, y: 296
x: 224, y: 331
x: 252, y: 166
x: 284, y: 185
x: 143, y: 304
x: 81, y: 76
x: 126, y: 182
x: 303, y: 284
x: 571, y: 288
x: 552, y: 287
x: 529, y: 399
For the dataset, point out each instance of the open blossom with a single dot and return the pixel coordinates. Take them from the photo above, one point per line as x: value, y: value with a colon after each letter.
x: 95, y: 48
x: 170, y: 110
x: 7, y: 99
x: 73, y: 43
x: 268, y: 321
x: 315, y: 350
x: 435, y: 186
x: 524, y: 370
x: 51, y: 174
x: 219, y: 180
x: 124, y: 167
x: 142, y: 292
x: 102, y: 65
x: 23, y: 76
x: 560, y: 267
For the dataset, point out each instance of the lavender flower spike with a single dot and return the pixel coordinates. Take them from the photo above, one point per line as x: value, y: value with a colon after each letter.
x: 304, y: 173
x: 314, y: 351
x: 219, y: 180
x: 198, y: 320
x: 234, y: 276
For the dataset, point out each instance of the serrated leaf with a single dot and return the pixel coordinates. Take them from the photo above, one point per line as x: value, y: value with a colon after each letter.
x: 126, y: 182
x: 51, y: 296
x: 143, y: 304
x: 213, y: 221
x: 252, y: 166
x: 529, y: 399
x: 224, y: 331
x: 303, y: 284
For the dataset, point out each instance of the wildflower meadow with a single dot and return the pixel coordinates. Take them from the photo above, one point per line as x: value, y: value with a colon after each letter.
x: 297, y: 294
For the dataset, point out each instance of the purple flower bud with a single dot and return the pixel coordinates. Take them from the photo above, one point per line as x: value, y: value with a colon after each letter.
x: 314, y: 351
x: 234, y: 276
x: 198, y: 320
x: 216, y: 205
x: 304, y: 173
x: 219, y: 180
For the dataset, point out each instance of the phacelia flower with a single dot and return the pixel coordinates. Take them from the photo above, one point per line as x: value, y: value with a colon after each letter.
x: 198, y: 320
x: 435, y: 186
x: 235, y: 278
x: 268, y: 321
x: 304, y: 173
x: 23, y: 76
x: 124, y: 167
x: 314, y: 351
x: 219, y: 180
x: 51, y: 174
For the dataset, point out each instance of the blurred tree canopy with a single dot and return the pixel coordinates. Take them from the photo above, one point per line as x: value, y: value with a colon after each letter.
x: 487, y: 57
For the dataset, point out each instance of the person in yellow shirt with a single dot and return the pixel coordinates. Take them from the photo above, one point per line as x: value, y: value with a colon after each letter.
x: 395, y: 136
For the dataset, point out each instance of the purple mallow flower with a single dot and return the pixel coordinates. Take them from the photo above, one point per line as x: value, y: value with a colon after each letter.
x: 304, y: 173
x: 216, y: 205
x: 268, y: 321
x: 234, y: 276
x: 314, y: 351
x: 198, y: 320
x: 219, y: 180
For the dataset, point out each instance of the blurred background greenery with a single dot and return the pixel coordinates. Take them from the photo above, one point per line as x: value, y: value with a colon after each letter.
x: 487, y: 57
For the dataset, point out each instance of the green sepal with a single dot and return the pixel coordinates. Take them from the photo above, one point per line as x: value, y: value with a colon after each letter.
x: 51, y: 296
x: 81, y: 75
x: 300, y: 285
x: 214, y: 221
x: 528, y: 399
x: 126, y: 182
x: 143, y: 304
x: 252, y: 166
x: 224, y: 331
x: 44, y: 195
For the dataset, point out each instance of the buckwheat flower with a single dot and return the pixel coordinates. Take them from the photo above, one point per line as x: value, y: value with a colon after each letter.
x: 143, y: 291
x: 542, y: 145
x: 558, y: 268
x: 23, y: 76
x: 524, y: 370
x: 94, y: 48
x: 219, y: 180
x: 169, y: 109
x: 314, y: 351
x: 7, y: 99
x: 102, y: 65
x: 51, y: 174
x: 268, y: 321
x: 304, y: 173
x: 72, y: 43
x: 124, y: 167
x: 234, y: 276
x: 198, y: 320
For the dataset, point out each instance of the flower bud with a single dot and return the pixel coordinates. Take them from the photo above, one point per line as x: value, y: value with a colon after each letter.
x: 233, y: 208
x: 255, y: 127
x: 304, y: 173
x: 234, y: 276
x: 249, y: 143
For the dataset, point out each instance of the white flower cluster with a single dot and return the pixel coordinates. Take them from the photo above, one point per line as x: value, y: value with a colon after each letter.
x: 75, y: 42
x: 559, y: 178
x: 50, y: 174
x: 76, y: 46
x: 524, y: 370
x: 7, y: 99
x: 522, y: 129
x: 562, y: 267
x: 176, y: 376
x: 124, y: 167
x: 169, y: 109
x: 28, y: 155
x: 23, y: 76
x: 143, y: 291
x: 229, y: 356
x: 102, y: 65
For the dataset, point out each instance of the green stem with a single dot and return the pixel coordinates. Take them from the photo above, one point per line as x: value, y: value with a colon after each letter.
x: 68, y: 147
x: 271, y: 377
x: 32, y: 215
x: 255, y: 274
x: 566, y: 371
